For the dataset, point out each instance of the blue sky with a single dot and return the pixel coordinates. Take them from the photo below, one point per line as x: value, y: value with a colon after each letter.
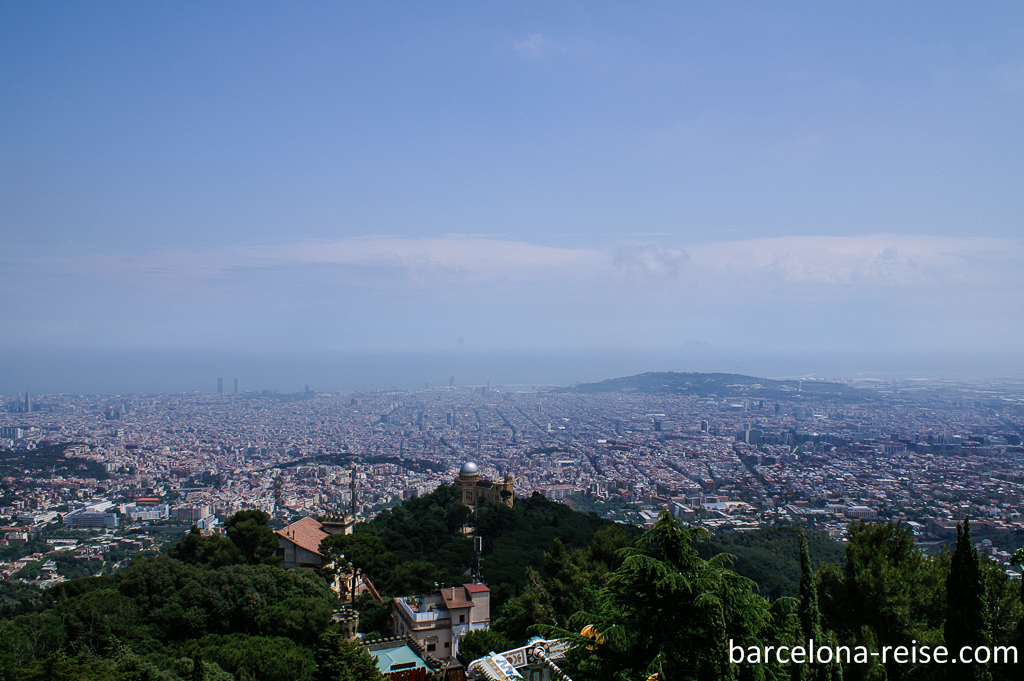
x: 731, y: 179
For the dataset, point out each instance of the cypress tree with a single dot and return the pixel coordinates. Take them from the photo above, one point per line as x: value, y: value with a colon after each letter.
x: 810, y: 616
x: 1018, y: 559
x: 967, y: 623
x: 198, y: 671
x: 810, y: 620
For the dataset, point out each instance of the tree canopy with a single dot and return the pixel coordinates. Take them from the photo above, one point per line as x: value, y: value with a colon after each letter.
x: 633, y: 604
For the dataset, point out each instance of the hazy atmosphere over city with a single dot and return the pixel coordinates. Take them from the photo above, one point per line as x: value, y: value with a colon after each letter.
x: 366, y: 195
x: 508, y: 341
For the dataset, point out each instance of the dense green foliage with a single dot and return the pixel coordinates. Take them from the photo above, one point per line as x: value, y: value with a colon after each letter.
x: 667, y: 601
x: 476, y: 644
x: 267, y: 658
x: 771, y: 556
x: 967, y: 615
x: 405, y: 550
x: 16, y: 550
x: 659, y: 606
x: 249, y: 541
x: 164, y: 619
x: 889, y: 593
x: 48, y: 461
x: 256, y: 542
x: 17, y: 598
x: 339, y: 659
x: 666, y: 610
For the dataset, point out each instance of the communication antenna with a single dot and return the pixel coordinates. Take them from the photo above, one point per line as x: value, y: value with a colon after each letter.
x: 352, y: 490
x: 478, y: 542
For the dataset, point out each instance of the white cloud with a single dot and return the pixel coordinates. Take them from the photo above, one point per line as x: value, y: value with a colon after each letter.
x: 467, y: 257
x: 536, y: 46
x: 862, y: 261
x: 837, y: 291
x: 480, y: 257
x: 768, y: 266
x: 651, y: 261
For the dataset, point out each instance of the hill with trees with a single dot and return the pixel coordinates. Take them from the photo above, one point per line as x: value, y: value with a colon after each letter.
x: 428, y: 540
x: 659, y: 607
x: 770, y: 556
x: 49, y: 461
x: 667, y: 601
x: 725, y: 385
x: 213, y: 608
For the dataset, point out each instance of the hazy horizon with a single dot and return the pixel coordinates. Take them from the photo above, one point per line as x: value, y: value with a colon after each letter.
x: 107, y: 372
x: 361, y: 195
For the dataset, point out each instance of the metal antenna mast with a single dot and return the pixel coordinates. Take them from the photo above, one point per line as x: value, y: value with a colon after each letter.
x: 478, y: 541
x: 352, y: 490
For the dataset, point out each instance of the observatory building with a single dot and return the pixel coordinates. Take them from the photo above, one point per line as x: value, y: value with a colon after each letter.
x: 473, y: 487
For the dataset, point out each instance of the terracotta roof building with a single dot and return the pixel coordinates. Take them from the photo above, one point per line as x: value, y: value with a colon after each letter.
x: 439, y: 619
x: 300, y: 543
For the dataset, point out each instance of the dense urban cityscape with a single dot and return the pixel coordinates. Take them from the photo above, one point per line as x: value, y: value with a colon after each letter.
x: 144, y: 468
x: 545, y: 341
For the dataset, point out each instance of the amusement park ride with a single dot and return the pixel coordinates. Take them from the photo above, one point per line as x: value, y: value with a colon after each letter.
x: 532, y: 662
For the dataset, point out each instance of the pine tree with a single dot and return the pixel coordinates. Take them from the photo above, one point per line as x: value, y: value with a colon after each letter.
x: 339, y: 659
x: 967, y: 623
x: 667, y: 611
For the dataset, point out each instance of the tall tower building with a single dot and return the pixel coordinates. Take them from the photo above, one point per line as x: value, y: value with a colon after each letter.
x: 337, y: 522
x: 236, y: 385
x: 28, y: 402
x: 220, y: 386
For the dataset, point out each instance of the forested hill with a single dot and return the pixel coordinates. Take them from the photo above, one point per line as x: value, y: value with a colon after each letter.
x: 424, y: 540
x: 724, y: 385
x: 771, y: 556
x: 662, y: 601
x: 421, y: 541
x: 48, y: 461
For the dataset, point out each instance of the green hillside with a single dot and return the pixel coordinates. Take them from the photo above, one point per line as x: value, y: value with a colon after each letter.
x: 771, y: 556
x: 663, y: 601
x: 422, y: 541
x: 48, y: 461
x: 724, y: 385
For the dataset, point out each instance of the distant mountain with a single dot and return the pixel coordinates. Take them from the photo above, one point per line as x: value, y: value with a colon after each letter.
x: 724, y: 385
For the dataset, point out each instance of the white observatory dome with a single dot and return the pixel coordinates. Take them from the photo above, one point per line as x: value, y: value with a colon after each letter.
x: 469, y: 468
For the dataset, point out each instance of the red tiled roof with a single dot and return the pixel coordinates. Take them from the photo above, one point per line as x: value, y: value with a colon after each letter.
x: 475, y: 588
x: 305, y: 534
x: 455, y: 597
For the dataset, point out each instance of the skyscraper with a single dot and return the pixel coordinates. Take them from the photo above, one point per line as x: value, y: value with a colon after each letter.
x: 220, y: 386
x: 236, y: 385
x: 28, y: 402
